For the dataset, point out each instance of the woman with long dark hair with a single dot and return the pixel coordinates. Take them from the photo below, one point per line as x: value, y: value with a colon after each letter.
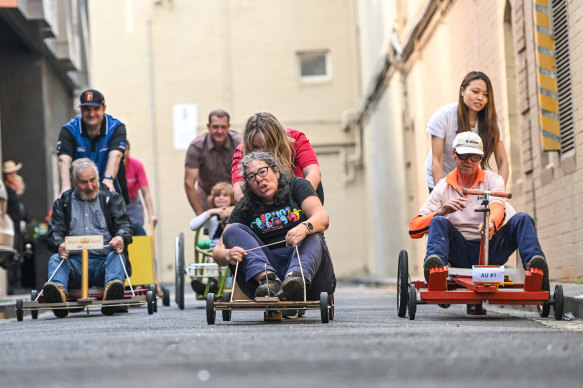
x: 475, y: 111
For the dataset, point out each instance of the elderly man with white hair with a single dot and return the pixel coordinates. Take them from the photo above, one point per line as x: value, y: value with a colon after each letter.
x: 87, y: 209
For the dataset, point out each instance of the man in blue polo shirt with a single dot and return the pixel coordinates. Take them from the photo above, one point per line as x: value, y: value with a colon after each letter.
x: 95, y: 135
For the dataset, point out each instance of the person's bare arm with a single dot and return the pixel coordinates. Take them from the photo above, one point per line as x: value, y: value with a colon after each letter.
x: 317, y: 216
x: 190, y: 177
x: 64, y: 172
x: 313, y: 175
x: 227, y: 256
x: 238, y: 190
x: 113, y: 161
x: 437, y: 150
x: 149, y: 205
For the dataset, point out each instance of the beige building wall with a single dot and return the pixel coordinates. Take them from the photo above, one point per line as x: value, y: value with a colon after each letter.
x: 241, y: 56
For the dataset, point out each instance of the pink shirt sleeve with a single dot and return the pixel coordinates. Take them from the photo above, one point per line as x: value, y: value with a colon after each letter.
x: 141, y: 175
x: 304, y: 153
x: 235, y: 167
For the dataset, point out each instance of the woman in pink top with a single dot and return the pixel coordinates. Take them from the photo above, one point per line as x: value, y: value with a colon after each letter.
x: 263, y: 132
x: 138, y: 182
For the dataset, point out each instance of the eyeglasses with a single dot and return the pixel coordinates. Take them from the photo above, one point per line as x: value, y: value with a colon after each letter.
x: 473, y: 157
x: 262, y: 172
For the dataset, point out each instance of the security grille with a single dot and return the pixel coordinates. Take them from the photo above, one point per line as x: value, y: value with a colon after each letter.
x: 563, y: 63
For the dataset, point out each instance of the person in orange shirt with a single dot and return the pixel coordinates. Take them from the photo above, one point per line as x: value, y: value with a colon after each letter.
x: 453, y: 226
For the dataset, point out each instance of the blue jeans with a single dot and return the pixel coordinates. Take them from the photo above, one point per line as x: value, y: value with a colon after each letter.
x: 445, y: 241
x: 102, y: 269
x: 138, y: 229
x: 314, y: 254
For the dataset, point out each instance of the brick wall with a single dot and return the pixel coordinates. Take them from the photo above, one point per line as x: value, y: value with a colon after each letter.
x: 470, y: 35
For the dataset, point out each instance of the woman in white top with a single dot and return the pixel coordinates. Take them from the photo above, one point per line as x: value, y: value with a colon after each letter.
x: 475, y: 111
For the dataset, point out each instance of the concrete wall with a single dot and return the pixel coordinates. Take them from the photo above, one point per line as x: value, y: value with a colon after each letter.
x: 240, y: 56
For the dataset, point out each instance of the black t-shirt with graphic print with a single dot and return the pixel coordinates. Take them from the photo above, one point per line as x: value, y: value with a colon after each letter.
x: 272, y: 224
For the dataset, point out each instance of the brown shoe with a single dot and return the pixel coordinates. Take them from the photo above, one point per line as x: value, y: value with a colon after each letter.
x: 269, y: 285
x: 113, y: 290
x: 292, y: 286
x: 55, y: 293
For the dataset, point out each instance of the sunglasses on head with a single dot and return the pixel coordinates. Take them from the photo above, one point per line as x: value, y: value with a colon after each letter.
x: 473, y: 157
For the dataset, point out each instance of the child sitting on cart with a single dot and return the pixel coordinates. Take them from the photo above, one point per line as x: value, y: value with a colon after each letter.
x: 221, y: 202
x: 454, y: 227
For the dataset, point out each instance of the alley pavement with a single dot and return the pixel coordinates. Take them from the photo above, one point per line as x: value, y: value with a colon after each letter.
x: 365, y: 345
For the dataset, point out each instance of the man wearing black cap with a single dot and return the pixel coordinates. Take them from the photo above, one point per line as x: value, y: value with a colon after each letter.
x: 95, y: 135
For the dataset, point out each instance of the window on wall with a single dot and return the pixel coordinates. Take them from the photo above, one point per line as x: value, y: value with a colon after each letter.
x: 314, y: 66
x: 563, y: 71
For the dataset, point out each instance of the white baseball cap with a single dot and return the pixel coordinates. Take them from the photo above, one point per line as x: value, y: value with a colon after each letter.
x: 468, y: 143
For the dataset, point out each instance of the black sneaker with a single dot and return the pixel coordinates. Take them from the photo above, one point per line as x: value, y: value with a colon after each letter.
x: 540, y: 263
x: 113, y: 290
x: 292, y: 287
x: 197, y: 286
x: 269, y: 285
x: 433, y: 261
x: 55, y: 293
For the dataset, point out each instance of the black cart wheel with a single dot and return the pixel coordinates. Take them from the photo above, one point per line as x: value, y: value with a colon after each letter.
x: 331, y: 306
x: 412, y: 301
x: 402, y: 282
x: 324, y: 307
x: 166, y: 296
x: 545, y: 309
x: 559, y: 302
x: 150, y: 302
x: 226, y: 313
x: 154, y: 289
x: 211, y: 314
x: 19, y: 310
x: 33, y: 313
x: 179, y: 297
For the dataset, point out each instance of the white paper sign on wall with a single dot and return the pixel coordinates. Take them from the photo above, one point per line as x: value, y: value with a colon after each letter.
x: 185, y: 119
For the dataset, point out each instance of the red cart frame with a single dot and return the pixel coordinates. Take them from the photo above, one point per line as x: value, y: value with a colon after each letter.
x: 455, y: 285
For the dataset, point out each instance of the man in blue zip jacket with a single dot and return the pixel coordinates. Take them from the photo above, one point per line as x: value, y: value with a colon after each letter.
x: 98, y: 136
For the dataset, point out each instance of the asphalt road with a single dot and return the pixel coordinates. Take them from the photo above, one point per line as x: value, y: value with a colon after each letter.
x: 366, y: 345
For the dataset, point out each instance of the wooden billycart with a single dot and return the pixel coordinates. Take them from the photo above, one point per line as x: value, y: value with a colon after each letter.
x: 483, y: 282
x: 87, y: 298
x: 271, y: 305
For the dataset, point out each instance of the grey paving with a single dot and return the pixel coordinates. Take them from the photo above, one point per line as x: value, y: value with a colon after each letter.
x: 366, y: 345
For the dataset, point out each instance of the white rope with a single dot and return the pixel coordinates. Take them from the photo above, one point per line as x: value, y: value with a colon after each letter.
x: 234, y: 281
x: 126, y: 272
x: 302, y: 270
x: 51, y: 278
